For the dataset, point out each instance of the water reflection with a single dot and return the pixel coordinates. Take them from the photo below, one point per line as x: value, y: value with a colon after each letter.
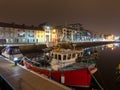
x: 107, y: 74
x: 113, y: 46
x: 117, y: 76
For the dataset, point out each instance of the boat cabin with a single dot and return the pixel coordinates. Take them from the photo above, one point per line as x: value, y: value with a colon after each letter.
x: 65, y: 57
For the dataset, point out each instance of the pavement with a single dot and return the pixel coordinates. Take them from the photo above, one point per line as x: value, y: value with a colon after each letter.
x: 20, y: 78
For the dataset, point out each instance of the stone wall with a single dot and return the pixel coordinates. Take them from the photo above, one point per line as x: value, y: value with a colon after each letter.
x: 38, y: 48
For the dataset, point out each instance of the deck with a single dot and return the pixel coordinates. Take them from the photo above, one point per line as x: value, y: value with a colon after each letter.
x: 22, y: 79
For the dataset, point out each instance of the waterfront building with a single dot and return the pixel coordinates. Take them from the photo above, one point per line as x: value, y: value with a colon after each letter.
x: 50, y: 34
x: 110, y: 37
x: 30, y: 36
x: 60, y: 33
x: 6, y: 33
x: 20, y: 35
x: 47, y: 33
x: 86, y: 35
x: 14, y: 33
x: 54, y: 35
x: 74, y: 33
x: 40, y: 36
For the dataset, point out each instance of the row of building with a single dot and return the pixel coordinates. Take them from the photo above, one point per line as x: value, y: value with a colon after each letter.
x: 14, y: 33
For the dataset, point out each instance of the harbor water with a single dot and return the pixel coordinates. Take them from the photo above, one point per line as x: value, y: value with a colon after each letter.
x: 107, y: 64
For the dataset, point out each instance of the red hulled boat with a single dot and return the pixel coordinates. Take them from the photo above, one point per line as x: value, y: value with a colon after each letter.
x: 73, y: 74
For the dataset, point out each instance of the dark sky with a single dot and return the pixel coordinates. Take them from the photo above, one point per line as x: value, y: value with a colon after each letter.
x: 100, y: 16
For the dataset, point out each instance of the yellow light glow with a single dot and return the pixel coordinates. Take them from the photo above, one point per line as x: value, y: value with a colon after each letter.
x: 54, y: 30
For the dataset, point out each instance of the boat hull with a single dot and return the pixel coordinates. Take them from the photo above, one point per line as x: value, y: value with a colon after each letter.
x: 79, y: 78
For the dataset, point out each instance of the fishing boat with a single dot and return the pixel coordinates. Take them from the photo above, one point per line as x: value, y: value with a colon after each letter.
x: 55, y: 67
x: 12, y: 52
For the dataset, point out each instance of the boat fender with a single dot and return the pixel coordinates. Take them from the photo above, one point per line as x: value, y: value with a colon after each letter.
x: 93, y: 70
x: 62, y: 79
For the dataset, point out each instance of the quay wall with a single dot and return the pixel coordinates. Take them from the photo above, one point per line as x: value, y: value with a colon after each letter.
x: 85, y: 44
x: 38, y: 48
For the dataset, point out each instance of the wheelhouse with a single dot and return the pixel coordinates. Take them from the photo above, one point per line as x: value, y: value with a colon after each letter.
x: 64, y: 57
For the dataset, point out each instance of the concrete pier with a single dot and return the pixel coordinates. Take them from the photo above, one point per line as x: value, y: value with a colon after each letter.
x: 22, y: 79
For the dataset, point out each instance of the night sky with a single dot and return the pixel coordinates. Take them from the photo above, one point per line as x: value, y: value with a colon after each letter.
x: 100, y: 16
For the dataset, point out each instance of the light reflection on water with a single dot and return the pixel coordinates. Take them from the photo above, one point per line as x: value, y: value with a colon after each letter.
x: 109, y: 58
x: 107, y: 75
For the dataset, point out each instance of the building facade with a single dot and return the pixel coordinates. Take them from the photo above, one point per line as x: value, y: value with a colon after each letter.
x: 13, y: 33
x: 39, y: 35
